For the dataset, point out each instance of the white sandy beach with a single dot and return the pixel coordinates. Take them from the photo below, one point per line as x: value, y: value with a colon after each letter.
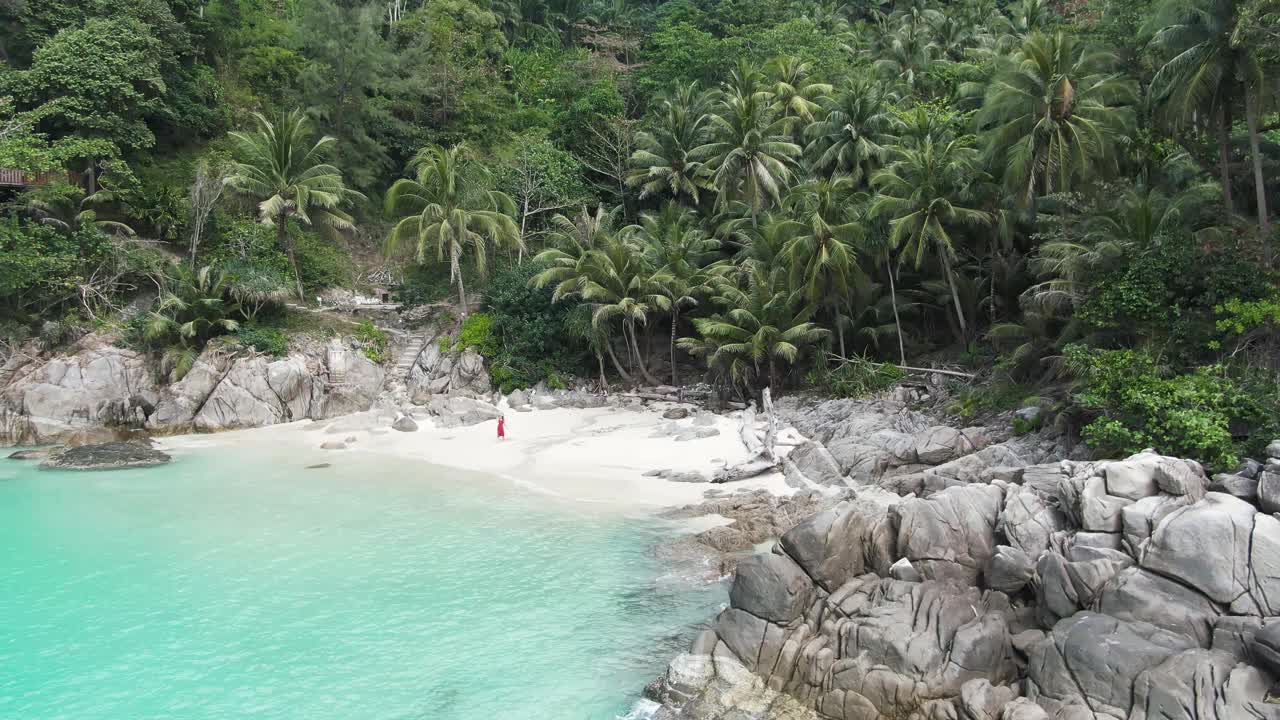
x: 597, y: 456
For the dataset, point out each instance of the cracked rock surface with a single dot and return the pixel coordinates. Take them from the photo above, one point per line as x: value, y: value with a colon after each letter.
x: 993, y: 580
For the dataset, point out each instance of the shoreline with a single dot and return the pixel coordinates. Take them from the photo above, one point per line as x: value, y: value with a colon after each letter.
x: 595, y: 457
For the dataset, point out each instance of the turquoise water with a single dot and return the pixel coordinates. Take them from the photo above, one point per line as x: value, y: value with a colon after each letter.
x: 247, y: 586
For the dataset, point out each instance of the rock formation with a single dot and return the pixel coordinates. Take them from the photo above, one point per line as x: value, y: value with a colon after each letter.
x: 967, y: 579
x: 105, y: 456
x: 96, y: 390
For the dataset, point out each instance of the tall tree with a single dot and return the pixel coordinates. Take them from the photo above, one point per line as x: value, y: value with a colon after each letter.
x: 1054, y: 112
x: 281, y: 168
x: 451, y: 204
x: 923, y: 194
x: 1208, y: 68
x: 763, y: 329
x: 854, y: 132
x: 664, y: 161
x: 751, y: 154
x: 679, y: 251
x: 822, y: 252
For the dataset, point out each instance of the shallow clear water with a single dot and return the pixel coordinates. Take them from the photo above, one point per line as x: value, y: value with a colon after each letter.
x: 232, y: 584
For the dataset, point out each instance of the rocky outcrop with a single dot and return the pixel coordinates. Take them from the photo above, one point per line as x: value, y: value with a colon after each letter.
x: 1027, y: 590
x: 106, y: 456
x: 96, y: 387
x: 447, y: 372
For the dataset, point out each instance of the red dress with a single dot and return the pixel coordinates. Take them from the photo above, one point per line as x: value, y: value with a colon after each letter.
x: 502, y: 430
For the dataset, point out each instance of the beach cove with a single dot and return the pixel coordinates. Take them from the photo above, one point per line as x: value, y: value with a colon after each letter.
x: 429, y: 574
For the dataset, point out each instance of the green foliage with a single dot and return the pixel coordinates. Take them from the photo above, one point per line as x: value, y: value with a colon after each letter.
x: 858, y: 377
x: 477, y: 332
x: 101, y: 80
x: 265, y: 339
x: 194, y: 307
x: 528, y: 336
x: 1141, y: 405
x: 41, y: 268
x: 372, y: 341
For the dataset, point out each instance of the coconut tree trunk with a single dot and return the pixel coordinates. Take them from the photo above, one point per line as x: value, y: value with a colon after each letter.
x: 840, y: 332
x: 282, y: 236
x: 897, y: 322
x: 675, y: 321
x: 1224, y: 161
x: 640, y: 365
x: 604, y: 383
x: 1252, y: 117
x: 955, y: 296
x: 613, y: 357
x: 462, y: 297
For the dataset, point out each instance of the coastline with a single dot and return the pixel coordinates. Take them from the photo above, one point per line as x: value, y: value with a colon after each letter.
x: 597, y: 457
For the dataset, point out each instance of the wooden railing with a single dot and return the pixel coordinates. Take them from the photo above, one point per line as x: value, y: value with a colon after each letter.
x: 16, y: 178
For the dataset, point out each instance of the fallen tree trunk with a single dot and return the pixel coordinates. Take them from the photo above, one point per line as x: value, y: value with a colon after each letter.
x: 926, y: 371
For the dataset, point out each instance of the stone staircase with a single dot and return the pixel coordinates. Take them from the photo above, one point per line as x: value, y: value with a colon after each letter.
x: 404, y: 365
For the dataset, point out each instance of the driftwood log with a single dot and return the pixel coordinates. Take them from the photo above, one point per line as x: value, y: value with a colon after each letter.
x: 764, y: 457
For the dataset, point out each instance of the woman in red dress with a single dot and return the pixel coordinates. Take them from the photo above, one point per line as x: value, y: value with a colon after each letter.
x: 502, y: 426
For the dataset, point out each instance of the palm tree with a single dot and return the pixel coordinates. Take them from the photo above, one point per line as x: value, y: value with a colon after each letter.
x: 284, y: 171
x: 679, y: 251
x: 452, y: 205
x: 750, y: 153
x: 191, y: 309
x: 67, y: 209
x: 1054, y: 112
x: 853, y: 135
x: 1207, y: 71
x: 763, y: 329
x: 795, y: 93
x: 878, y: 243
x: 905, y: 57
x: 1137, y: 220
x: 920, y: 193
x: 588, y: 260
x: 822, y: 252
x: 663, y: 161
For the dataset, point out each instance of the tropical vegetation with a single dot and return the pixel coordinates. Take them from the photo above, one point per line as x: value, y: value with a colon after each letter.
x: 1075, y: 200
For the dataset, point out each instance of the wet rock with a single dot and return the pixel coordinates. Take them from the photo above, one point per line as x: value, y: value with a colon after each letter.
x: 1010, y: 570
x: 1093, y: 660
x: 404, y: 423
x: 1029, y: 520
x: 318, y: 466
x: 903, y: 570
x: 333, y: 445
x: 1140, y: 595
x: 106, y: 456
x: 676, y: 414
x: 1273, y: 449
x: 33, y: 454
x: 1224, y: 548
x: 940, y: 444
x: 980, y: 700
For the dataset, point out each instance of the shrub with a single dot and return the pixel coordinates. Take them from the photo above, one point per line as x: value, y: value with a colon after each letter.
x: 268, y: 340
x: 477, y: 332
x: 856, y: 378
x: 373, y: 341
x: 1137, y: 404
